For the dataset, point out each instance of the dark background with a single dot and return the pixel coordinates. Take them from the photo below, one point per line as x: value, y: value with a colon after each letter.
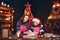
x: 39, y: 8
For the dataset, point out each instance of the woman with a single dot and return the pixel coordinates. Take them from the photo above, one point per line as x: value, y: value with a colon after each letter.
x: 22, y: 26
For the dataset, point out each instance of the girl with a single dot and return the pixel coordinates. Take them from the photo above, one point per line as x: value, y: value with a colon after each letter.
x: 36, y: 28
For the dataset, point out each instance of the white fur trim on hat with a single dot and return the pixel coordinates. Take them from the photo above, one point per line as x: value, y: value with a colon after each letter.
x: 41, y: 30
x: 41, y: 25
x: 36, y: 20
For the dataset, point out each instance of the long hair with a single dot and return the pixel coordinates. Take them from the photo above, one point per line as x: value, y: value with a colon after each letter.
x: 22, y: 18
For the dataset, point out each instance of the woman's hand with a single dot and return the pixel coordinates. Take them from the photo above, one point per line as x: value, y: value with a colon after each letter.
x: 36, y: 33
x: 26, y: 33
x: 18, y: 33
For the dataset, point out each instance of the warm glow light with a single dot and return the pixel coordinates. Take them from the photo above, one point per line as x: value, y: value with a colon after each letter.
x: 57, y: 5
x: 8, y: 5
x: 12, y: 17
x: 12, y: 29
x: 13, y: 11
x: 9, y: 25
x: 49, y: 17
x: 1, y: 11
x: 7, y: 18
x: 2, y: 3
x: 53, y: 6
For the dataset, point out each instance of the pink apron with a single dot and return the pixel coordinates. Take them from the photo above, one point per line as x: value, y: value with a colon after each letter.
x: 23, y: 28
x: 36, y: 29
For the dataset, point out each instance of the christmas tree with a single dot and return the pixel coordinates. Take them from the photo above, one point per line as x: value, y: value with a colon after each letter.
x: 28, y: 12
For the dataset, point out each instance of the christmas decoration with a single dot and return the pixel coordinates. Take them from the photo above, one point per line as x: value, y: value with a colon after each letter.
x: 28, y: 12
x: 6, y: 20
x: 55, y: 13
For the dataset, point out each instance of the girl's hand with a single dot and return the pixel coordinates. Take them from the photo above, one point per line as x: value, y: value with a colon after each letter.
x: 29, y: 31
x: 35, y: 33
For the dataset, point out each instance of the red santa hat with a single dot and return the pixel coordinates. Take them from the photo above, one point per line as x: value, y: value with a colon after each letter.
x: 37, y: 20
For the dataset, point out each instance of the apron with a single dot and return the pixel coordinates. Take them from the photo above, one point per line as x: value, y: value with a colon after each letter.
x: 23, y: 28
x: 36, y: 29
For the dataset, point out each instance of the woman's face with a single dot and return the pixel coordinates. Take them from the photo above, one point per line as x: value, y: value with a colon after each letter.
x: 26, y: 18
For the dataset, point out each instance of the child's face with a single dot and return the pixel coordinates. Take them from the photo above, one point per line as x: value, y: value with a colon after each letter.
x: 35, y: 23
x: 26, y: 18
